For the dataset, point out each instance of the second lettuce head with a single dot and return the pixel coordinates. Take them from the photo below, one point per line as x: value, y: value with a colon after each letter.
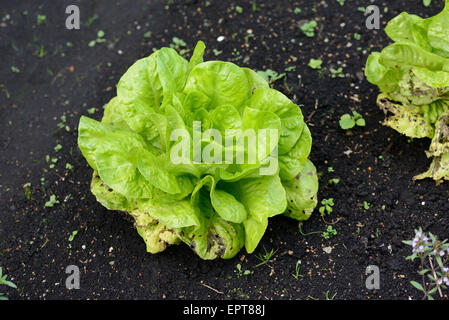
x: 144, y: 154
x: 413, y: 77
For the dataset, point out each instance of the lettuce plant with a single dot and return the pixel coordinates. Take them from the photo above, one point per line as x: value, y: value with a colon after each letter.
x: 413, y: 77
x: 140, y: 165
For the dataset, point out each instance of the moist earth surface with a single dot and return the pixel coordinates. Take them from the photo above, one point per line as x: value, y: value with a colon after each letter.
x: 50, y: 76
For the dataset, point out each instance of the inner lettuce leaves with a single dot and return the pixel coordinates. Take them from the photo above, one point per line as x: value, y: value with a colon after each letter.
x: 215, y: 208
x: 413, y: 77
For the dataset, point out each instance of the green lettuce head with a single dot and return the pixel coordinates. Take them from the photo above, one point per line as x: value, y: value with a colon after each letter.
x: 162, y: 154
x: 413, y: 77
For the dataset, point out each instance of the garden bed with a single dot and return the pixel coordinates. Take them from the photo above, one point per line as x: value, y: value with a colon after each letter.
x: 51, y: 76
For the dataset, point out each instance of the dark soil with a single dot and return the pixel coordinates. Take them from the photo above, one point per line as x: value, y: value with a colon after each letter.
x: 61, y: 75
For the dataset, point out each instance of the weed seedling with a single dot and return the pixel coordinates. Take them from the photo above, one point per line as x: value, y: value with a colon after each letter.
x: 5, y: 282
x: 73, y: 235
x: 254, y: 7
x: 348, y: 122
x: 264, y: 257
x: 296, y: 275
x: 326, y: 207
x: 308, y: 28
x: 179, y: 45
x: 241, y: 272
x: 90, y: 20
x: 270, y: 75
x: 217, y: 52
x: 337, y: 73
x: 366, y: 205
x: 50, y: 203
x: 315, y: 64
x: 329, y: 233
x: 41, y: 19
x: 100, y: 39
x: 331, y: 298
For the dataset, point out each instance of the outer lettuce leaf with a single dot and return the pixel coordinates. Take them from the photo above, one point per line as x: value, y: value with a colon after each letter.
x: 215, y: 208
x: 155, y: 234
x: 215, y: 238
x: 255, y: 80
x: 113, y: 115
x: 302, y: 193
x: 438, y: 32
x: 440, y: 141
x: 439, y: 169
x: 406, y: 121
x: 140, y: 93
x: 90, y: 133
x: 401, y: 28
x: 109, y: 198
x: 172, y: 213
x: 375, y: 71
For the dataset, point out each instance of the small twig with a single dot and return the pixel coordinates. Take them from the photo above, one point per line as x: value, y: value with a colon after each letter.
x: 333, y: 222
x: 388, y: 148
x: 209, y: 287
x: 45, y: 243
x: 311, y: 115
x: 7, y: 143
x: 59, y: 74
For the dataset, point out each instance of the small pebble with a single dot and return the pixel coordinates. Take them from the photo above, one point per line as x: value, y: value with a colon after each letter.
x: 328, y: 250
